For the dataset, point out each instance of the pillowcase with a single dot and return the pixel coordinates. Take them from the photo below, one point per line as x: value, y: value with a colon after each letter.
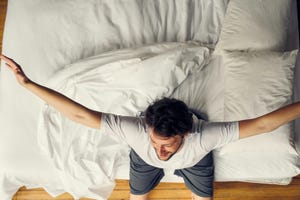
x: 256, y: 25
x: 257, y: 83
x: 256, y: 167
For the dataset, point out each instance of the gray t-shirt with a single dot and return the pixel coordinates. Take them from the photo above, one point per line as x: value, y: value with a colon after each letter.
x: 205, y: 136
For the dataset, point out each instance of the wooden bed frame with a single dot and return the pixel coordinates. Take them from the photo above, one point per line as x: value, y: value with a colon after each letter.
x: 175, y: 191
x: 298, y: 15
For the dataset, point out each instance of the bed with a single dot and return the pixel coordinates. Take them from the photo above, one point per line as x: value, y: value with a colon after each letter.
x: 230, y: 60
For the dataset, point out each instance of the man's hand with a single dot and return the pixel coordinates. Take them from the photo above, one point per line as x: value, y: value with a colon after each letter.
x: 16, y: 69
x: 60, y: 102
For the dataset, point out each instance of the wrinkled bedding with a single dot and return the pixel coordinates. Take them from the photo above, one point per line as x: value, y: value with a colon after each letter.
x: 94, y: 44
x: 86, y: 158
x: 55, y: 34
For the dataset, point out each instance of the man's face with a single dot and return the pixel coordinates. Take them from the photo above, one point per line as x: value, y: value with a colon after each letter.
x: 165, y: 147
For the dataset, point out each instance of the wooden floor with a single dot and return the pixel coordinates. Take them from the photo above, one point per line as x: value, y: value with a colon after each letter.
x: 177, y: 191
x: 172, y: 191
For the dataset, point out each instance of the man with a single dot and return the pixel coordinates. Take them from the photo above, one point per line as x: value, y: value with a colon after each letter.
x: 169, y: 137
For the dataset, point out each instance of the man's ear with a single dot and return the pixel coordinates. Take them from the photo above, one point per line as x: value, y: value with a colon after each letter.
x: 185, y: 135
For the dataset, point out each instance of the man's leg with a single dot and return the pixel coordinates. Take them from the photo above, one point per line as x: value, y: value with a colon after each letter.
x: 142, y: 178
x: 139, y: 197
x: 196, y: 197
x: 199, y: 178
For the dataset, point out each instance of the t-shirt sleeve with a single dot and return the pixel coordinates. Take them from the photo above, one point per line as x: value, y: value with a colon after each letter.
x: 125, y: 128
x: 218, y: 134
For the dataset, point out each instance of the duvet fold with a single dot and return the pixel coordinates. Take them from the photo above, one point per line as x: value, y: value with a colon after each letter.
x: 86, y: 159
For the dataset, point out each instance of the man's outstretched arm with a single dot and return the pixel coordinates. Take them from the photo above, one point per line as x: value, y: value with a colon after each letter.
x: 270, y: 121
x: 63, y: 104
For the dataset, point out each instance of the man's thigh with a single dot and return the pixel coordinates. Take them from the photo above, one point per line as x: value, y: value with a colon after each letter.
x: 143, y: 177
x: 196, y: 197
x: 199, y: 178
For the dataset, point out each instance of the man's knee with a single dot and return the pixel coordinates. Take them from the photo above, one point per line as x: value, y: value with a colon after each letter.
x: 196, y: 197
x: 139, y: 197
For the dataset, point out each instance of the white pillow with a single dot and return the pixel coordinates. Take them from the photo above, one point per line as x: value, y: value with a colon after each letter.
x: 255, y: 25
x: 257, y: 167
x: 257, y: 83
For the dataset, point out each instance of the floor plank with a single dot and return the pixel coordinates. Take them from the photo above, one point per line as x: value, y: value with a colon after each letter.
x: 178, y: 191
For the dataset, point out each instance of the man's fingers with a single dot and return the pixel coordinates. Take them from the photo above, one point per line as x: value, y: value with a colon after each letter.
x: 11, y: 64
x: 8, y: 65
x: 11, y: 67
x: 15, y: 69
x: 4, y: 57
x: 8, y: 60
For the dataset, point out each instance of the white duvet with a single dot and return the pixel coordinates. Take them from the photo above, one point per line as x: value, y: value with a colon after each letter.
x: 84, y: 157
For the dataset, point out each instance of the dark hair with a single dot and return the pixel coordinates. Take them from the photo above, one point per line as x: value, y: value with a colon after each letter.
x: 169, y: 117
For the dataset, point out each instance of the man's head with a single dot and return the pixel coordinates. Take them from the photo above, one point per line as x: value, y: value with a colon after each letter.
x: 170, y: 121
